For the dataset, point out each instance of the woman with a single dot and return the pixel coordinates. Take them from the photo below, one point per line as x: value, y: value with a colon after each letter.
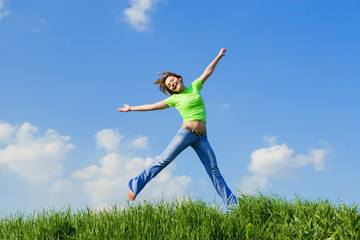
x: 189, y: 103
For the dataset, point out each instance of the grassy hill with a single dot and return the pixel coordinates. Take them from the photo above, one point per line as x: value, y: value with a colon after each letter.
x: 256, y: 217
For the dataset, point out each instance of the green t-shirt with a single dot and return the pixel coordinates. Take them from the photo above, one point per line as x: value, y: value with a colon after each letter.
x: 189, y: 103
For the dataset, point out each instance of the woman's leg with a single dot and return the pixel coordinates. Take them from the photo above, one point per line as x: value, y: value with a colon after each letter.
x: 208, y: 159
x: 182, y: 140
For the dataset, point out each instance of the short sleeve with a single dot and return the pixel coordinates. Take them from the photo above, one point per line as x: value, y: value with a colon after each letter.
x: 197, y: 84
x: 170, y: 101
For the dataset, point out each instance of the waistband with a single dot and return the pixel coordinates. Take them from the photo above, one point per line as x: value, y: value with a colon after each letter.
x: 195, y: 131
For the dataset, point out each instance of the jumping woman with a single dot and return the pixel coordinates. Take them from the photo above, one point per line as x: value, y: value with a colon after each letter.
x: 188, y: 101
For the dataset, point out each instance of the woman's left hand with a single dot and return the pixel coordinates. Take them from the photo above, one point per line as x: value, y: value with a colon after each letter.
x: 222, y: 52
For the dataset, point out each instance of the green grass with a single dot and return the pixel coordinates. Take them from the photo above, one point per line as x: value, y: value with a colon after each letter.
x: 256, y: 217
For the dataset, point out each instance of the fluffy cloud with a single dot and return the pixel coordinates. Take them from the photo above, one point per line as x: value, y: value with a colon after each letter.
x: 140, y: 142
x: 250, y: 184
x: 271, y: 161
x: 108, y: 139
x: 111, y: 140
x: 6, y: 132
x: 277, y: 161
x: 3, y: 12
x: 106, y: 182
x: 138, y: 14
x: 35, y: 158
x: 61, y: 186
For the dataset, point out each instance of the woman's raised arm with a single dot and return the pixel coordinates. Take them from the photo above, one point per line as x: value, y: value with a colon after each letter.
x: 146, y: 107
x: 210, y: 69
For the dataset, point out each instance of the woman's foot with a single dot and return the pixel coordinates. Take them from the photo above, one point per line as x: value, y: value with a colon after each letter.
x: 131, y: 195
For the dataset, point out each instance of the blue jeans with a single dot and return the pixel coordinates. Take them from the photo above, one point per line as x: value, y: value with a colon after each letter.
x: 182, y: 140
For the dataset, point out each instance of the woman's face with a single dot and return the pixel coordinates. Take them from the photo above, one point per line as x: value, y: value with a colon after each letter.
x: 174, y: 84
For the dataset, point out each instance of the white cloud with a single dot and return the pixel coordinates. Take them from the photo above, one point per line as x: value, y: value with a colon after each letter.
x: 140, y: 142
x: 317, y: 157
x: 111, y: 140
x: 35, y: 158
x: 278, y: 161
x: 138, y: 14
x: 3, y: 12
x: 250, y: 184
x: 271, y: 161
x: 86, y: 173
x: 6, y: 132
x: 108, y: 139
x: 107, y: 181
x: 60, y: 186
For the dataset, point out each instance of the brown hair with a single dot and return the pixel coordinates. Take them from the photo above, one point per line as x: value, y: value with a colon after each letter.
x: 161, y: 81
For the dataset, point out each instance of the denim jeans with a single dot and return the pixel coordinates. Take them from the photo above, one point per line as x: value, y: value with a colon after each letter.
x: 182, y: 140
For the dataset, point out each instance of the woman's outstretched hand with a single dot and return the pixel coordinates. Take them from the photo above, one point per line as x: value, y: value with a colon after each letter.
x: 222, y: 52
x: 210, y: 69
x: 126, y: 108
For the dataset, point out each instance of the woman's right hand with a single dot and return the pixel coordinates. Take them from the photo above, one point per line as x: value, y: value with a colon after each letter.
x: 126, y: 108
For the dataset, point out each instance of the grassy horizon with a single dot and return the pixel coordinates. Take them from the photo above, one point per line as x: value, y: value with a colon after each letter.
x: 255, y: 217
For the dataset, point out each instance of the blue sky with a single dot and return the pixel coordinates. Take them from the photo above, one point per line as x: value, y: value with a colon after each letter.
x: 282, y: 105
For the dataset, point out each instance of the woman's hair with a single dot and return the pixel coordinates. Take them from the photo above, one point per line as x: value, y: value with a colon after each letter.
x: 161, y: 81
